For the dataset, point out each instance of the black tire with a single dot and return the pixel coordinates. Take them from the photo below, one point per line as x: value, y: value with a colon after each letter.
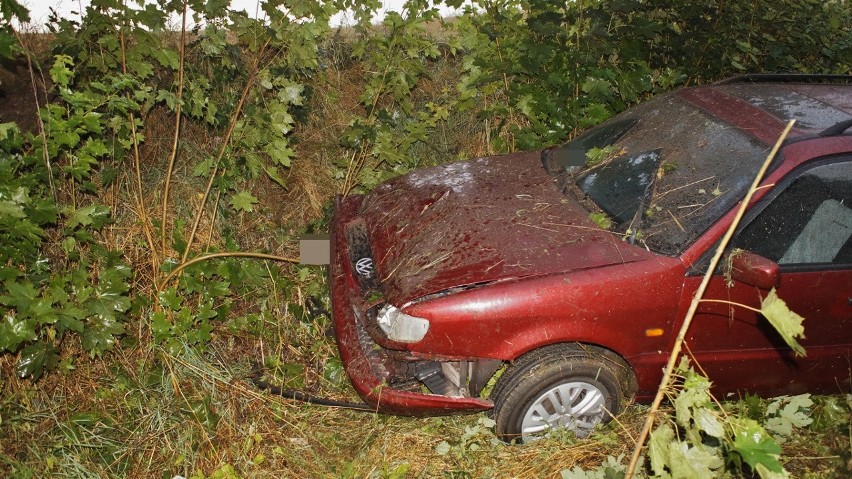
x: 578, y: 376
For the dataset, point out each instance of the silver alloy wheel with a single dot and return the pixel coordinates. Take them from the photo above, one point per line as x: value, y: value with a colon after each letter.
x: 576, y: 406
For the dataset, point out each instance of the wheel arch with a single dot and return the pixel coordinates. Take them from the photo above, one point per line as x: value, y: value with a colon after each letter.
x: 581, y: 348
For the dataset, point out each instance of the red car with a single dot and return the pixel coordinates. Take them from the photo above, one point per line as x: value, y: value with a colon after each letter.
x: 564, y: 274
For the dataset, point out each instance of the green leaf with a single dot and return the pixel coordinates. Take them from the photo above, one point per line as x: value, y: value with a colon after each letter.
x: 597, y: 87
x: 59, y: 72
x: 105, y: 304
x: 708, y: 422
x: 216, y: 289
x: 160, y: 326
x: 19, y: 295
x: 292, y: 94
x: 695, y: 394
x: 280, y: 152
x: 8, y: 131
x: 443, y: 448
x: 596, y: 156
x: 204, y: 167
x: 93, y: 215
x: 281, y: 121
x: 786, y: 322
x: 35, y: 358
x: 203, y: 412
x: 786, y: 412
x: 272, y: 173
x: 14, y: 331
x: 755, y: 445
x: 206, y: 311
x: 170, y: 299
x: 70, y: 319
x: 10, y: 209
x: 167, y: 96
x: 601, y: 219
x: 765, y: 473
x: 42, y: 311
x: 12, y: 9
x: 333, y: 371
x: 658, y: 448
x: 696, y: 462
x: 100, y: 334
x: 200, y: 333
x: 243, y: 201
x: 108, y: 176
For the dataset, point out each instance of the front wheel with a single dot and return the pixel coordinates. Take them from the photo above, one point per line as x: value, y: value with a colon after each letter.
x: 564, y: 386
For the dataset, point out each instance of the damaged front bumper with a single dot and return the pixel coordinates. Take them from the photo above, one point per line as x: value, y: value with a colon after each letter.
x: 390, y: 380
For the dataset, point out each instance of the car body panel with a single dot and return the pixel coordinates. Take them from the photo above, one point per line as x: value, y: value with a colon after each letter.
x: 480, y: 221
x: 741, y: 352
x: 508, y: 319
x: 755, y: 122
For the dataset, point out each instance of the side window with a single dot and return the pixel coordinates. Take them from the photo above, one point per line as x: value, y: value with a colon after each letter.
x: 809, y: 222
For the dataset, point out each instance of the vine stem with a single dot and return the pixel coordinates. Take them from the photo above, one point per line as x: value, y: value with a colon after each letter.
x: 173, y: 154
x: 234, y: 254
x: 140, y: 193
x: 233, y: 124
x: 731, y: 303
x: 696, y: 299
x: 42, y: 132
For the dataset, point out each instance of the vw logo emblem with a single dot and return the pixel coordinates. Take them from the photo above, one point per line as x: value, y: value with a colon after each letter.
x: 364, y: 267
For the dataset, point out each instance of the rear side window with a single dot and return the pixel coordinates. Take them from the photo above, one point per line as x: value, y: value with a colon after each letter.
x: 809, y: 222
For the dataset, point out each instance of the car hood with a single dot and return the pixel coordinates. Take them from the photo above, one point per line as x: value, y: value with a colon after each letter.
x: 481, y: 221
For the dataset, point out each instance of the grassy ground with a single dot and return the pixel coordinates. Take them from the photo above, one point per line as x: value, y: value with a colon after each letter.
x: 142, y: 412
x: 146, y: 413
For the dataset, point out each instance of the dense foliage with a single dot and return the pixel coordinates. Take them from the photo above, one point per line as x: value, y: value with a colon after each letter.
x: 541, y: 71
x: 160, y: 142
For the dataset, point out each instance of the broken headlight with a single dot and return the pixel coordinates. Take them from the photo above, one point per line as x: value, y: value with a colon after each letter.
x: 401, y: 327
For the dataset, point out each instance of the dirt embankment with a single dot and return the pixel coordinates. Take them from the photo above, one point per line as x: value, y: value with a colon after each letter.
x: 18, y: 94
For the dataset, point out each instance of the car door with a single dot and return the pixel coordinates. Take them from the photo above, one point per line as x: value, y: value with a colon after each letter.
x: 805, y: 226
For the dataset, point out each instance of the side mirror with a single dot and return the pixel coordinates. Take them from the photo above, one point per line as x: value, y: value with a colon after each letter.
x: 753, y: 269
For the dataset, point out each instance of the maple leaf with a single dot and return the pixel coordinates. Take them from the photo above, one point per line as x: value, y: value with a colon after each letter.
x: 756, y: 446
x: 786, y: 322
x: 243, y: 201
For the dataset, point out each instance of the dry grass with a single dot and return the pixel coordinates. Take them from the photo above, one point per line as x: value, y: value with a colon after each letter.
x: 133, y: 419
x: 141, y: 413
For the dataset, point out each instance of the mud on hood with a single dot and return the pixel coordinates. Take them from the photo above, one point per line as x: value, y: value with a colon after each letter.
x: 481, y: 221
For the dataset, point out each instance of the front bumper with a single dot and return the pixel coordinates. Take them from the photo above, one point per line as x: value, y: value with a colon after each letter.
x: 364, y: 360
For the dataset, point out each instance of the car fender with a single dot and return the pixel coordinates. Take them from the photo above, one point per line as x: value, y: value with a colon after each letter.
x: 614, y: 307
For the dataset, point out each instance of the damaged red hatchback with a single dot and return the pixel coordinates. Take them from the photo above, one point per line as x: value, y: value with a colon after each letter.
x: 569, y: 270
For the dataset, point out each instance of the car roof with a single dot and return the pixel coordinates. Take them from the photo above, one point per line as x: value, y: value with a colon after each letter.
x: 762, y: 105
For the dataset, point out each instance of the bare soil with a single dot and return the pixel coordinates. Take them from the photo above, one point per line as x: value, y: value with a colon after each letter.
x: 18, y: 94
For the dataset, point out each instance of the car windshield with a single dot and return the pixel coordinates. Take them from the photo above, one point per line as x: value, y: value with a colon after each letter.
x: 662, y: 172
